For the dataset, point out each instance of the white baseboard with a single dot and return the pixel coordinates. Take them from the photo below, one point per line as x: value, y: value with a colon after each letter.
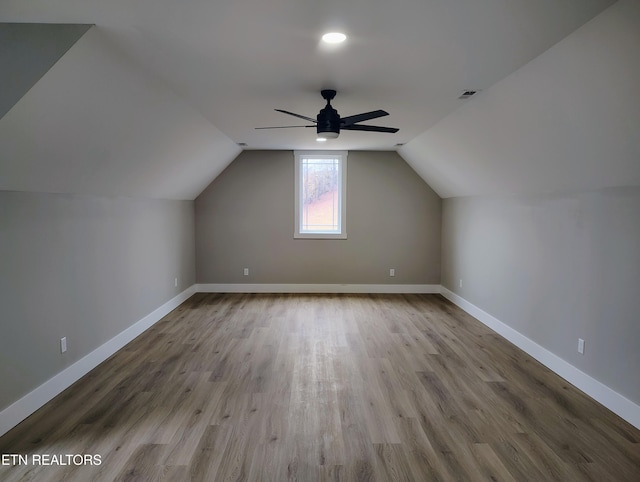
x: 615, y: 402
x: 314, y: 288
x: 18, y: 411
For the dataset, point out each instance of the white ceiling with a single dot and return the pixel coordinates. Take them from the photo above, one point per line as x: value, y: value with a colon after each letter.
x: 218, y: 69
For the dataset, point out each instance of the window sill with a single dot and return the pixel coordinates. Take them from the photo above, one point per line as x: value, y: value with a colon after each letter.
x: 319, y: 236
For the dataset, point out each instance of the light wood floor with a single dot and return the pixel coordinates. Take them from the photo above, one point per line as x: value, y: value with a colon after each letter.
x: 325, y: 387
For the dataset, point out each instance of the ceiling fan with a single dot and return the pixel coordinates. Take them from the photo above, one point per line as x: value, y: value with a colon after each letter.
x: 329, y: 123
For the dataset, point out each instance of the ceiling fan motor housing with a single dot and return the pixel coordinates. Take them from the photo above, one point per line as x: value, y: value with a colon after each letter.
x: 328, y: 121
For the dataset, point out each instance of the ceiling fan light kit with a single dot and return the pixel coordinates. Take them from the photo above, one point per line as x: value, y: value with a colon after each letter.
x: 328, y: 122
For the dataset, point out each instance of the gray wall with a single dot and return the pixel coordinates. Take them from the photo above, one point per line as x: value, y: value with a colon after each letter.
x: 85, y: 268
x: 555, y: 268
x: 245, y: 219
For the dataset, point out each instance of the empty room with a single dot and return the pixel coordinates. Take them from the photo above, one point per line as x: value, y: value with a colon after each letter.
x: 345, y: 240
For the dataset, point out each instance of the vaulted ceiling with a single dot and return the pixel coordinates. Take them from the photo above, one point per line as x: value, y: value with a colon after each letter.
x: 154, y: 100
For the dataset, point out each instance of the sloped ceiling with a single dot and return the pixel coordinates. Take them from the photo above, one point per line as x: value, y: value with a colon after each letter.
x: 567, y: 121
x: 97, y: 124
x: 152, y: 101
x: 27, y: 52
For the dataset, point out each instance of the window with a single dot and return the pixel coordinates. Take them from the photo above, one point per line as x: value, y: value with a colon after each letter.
x: 320, y: 188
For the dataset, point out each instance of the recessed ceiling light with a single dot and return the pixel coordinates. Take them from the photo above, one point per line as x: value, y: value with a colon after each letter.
x: 321, y: 139
x: 334, y: 37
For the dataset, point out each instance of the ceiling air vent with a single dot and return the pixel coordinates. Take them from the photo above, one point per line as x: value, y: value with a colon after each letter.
x: 467, y: 93
x: 242, y: 144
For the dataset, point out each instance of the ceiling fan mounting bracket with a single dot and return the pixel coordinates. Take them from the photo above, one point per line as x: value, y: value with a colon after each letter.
x: 328, y: 94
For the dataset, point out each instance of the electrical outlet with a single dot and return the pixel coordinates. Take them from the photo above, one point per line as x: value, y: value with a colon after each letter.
x: 63, y: 344
x: 246, y: 271
x: 581, y: 346
x: 392, y: 272
x: 460, y: 283
x: 175, y: 282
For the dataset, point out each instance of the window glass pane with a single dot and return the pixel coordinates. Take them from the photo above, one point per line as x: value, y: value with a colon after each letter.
x: 320, y: 196
x: 320, y: 188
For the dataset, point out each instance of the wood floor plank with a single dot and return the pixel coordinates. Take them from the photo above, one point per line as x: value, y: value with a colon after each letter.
x: 425, y: 462
x: 312, y: 387
x: 547, y: 461
x: 391, y: 463
x: 143, y: 464
x: 208, y: 455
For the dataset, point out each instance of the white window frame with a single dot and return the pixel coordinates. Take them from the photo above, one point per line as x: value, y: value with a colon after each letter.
x: 342, y: 179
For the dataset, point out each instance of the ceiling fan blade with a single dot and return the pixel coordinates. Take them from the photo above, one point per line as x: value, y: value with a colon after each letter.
x: 352, y: 119
x: 296, y: 115
x: 361, y: 127
x: 281, y: 127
